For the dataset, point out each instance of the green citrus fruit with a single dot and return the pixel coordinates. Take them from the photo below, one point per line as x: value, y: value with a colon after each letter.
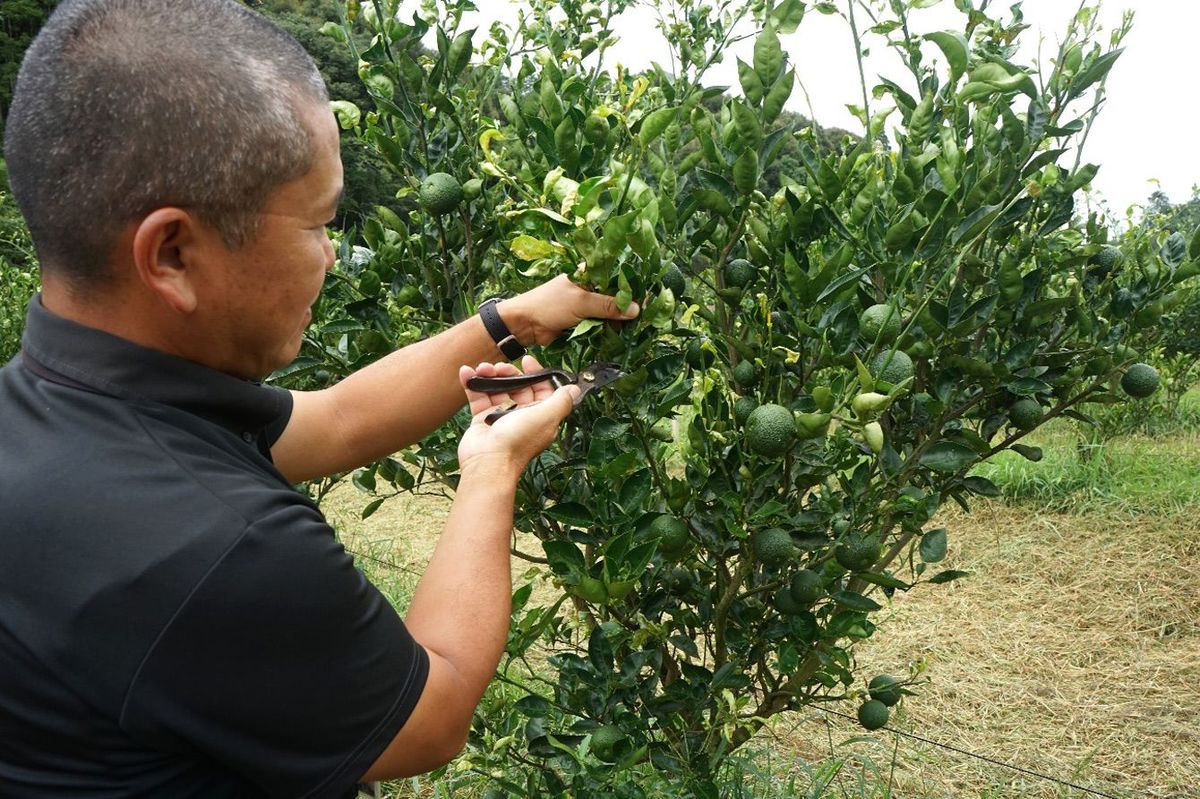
x: 672, y: 534
x: 880, y: 323
x: 745, y: 374
x: 773, y: 546
x: 739, y: 273
x: 440, y: 193
x: 591, y: 590
x: 885, y: 688
x: 674, y: 280
x: 369, y: 283
x: 873, y: 714
x: 408, y: 296
x: 372, y: 341
x: 892, y: 367
x: 1123, y: 353
x: 619, y: 589
x: 595, y: 128
x: 743, y: 408
x: 1107, y: 260
x: 1140, y: 380
x: 322, y: 377
x: 807, y: 587
x: 770, y: 429
x: 1025, y: 414
x: 678, y: 581
x: 697, y: 355
x: 605, y: 740
x: 472, y: 189
x: 858, y: 553
x: 873, y: 435
x: 786, y: 604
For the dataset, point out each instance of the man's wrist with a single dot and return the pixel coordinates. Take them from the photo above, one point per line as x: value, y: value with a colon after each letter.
x: 493, y: 472
x: 495, y: 324
x: 518, y: 321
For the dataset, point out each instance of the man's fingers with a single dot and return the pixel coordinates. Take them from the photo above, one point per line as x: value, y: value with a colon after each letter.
x: 602, y: 306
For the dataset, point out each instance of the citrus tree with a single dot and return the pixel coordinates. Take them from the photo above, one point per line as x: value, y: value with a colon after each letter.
x: 813, y: 375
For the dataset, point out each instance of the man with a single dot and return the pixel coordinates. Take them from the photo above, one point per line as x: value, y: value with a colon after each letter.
x: 175, y: 620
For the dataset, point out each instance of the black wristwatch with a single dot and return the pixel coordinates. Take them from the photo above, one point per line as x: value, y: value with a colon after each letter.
x: 505, y: 340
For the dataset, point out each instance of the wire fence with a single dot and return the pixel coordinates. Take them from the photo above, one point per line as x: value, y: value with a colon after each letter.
x: 984, y: 758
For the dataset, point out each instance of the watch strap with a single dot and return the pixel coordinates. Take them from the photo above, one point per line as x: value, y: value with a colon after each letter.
x: 505, y: 340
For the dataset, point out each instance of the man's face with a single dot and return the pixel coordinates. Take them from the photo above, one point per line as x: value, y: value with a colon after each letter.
x: 260, y: 306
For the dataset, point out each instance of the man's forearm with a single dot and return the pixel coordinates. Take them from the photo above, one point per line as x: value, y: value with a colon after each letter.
x: 462, y: 605
x: 381, y: 408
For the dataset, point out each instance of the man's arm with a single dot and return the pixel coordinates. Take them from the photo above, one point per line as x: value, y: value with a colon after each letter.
x: 403, y: 397
x: 460, y: 611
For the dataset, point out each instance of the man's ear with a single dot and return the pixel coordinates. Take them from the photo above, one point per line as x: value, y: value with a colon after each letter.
x: 167, y: 253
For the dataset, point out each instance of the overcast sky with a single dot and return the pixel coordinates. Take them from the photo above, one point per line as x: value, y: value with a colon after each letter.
x: 1145, y: 132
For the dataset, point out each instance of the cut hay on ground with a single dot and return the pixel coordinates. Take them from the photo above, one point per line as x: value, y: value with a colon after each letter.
x: 1072, y: 650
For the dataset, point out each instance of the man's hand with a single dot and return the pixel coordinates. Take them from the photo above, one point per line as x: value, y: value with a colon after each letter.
x: 539, y: 315
x: 518, y: 437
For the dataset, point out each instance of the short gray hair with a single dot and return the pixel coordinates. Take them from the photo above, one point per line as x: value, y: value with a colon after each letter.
x: 125, y: 106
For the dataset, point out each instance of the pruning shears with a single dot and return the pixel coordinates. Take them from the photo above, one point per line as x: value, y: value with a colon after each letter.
x: 598, y: 375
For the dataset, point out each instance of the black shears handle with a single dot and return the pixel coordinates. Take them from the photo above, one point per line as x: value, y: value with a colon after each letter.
x: 595, y: 376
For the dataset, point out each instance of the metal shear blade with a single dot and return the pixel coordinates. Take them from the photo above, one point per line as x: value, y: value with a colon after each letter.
x: 598, y: 375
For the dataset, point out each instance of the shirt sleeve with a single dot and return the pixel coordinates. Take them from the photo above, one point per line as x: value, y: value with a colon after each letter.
x: 286, y: 403
x: 285, y: 665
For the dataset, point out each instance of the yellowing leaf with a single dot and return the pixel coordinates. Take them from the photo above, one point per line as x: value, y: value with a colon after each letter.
x: 528, y: 248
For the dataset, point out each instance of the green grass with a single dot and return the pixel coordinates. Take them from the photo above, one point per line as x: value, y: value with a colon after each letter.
x: 1131, y: 474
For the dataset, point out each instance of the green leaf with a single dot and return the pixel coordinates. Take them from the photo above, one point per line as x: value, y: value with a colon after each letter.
x: 752, y: 85
x: 1027, y: 452
x: 585, y: 327
x: 933, y: 545
x: 947, y: 576
x: 347, y: 113
x: 768, y: 56
x: 981, y: 486
x: 745, y: 172
x: 654, y: 123
x: 659, y: 313
x: 1027, y: 386
x: 855, y: 601
x: 334, y: 31
x: 565, y: 558
x: 779, y: 93
x: 884, y: 580
x: 845, y: 280
x: 371, y: 507
x: 1095, y: 71
x: 948, y: 457
x: 954, y: 46
x: 788, y: 15
x: 571, y: 513
x: 459, y: 55
x: 748, y: 128
x: 976, y: 223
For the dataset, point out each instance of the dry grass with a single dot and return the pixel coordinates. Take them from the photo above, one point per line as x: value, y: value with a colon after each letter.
x: 1073, y: 650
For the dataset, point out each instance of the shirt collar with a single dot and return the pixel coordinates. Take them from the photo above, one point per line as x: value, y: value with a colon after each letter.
x: 115, y: 366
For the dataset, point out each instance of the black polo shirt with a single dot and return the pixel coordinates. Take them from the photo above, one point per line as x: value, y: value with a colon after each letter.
x: 175, y: 619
